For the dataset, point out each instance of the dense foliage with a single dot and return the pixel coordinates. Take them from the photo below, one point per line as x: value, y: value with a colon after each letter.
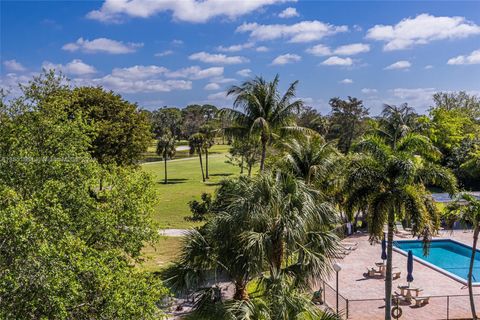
x: 67, y: 246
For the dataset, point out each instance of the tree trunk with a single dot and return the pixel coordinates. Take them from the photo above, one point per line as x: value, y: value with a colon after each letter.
x: 264, y: 153
x: 201, y: 163
x: 241, y: 292
x: 388, y: 276
x: 241, y: 164
x: 470, y: 271
x: 165, y: 163
x: 249, y: 170
x: 278, y: 253
x: 206, y: 164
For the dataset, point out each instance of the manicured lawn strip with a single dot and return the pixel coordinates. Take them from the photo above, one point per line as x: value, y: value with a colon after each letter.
x: 161, y: 254
x: 185, y: 184
x: 151, y: 156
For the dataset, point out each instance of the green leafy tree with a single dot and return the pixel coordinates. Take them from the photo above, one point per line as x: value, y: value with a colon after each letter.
x: 167, y: 121
x: 265, y: 110
x: 68, y: 247
x: 166, y: 148
x: 312, y: 119
x: 467, y: 209
x: 121, y: 130
x: 246, y: 153
x: 391, y: 181
x: 346, y: 122
x: 196, y: 142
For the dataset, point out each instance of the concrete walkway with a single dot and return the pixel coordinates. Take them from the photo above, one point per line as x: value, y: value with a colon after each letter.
x: 173, y: 232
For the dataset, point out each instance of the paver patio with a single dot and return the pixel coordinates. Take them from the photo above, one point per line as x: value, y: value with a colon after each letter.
x: 354, y: 286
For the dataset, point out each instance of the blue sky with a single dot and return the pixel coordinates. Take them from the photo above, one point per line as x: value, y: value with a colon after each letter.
x: 176, y: 53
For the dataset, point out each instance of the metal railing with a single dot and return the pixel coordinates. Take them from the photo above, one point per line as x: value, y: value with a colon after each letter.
x: 450, y: 307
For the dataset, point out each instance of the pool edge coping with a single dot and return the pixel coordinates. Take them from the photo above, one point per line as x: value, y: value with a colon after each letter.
x: 434, y: 267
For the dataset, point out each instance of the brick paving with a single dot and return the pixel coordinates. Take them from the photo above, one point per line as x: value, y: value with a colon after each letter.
x: 353, y: 285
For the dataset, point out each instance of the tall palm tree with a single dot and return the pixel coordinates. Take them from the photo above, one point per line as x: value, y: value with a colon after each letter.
x: 310, y: 157
x: 196, y: 142
x: 466, y: 208
x: 166, y: 148
x: 265, y: 110
x: 392, y: 182
x: 209, y: 133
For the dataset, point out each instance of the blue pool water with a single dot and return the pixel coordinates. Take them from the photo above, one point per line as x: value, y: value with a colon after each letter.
x: 449, y: 255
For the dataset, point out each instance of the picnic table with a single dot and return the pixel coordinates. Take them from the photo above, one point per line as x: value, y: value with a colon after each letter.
x: 406, y: 291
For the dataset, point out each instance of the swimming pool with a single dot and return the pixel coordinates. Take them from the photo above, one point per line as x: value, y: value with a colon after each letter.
x: 447, y: 256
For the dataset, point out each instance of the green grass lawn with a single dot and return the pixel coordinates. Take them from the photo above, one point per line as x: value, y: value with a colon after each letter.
x: 161, y: 254
x: 185, y: 184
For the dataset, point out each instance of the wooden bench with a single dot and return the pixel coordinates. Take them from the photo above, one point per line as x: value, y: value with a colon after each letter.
x: 421, y: 301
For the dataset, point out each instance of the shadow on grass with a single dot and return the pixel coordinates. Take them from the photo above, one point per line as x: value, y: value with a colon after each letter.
x: 220, y: 174
x: 173, y: 181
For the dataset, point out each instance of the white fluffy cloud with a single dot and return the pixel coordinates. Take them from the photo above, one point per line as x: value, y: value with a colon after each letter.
x: 195, y: 73
x: 217, y: 58
x: 472, y: 58
x: 14, y: 65
x: 183, y: 10
x: 337, y: 61
x: 369, y: 91
x: 346, y: 81
x: 236, y: 47
x: 244, y: 72
x: 305, y: 31
x: 147, y: 72
x: 402, y: 64
x: 212, y: 86
x: 163, y: 53
x: 345, y: 50
x: 288, y: 13
x: 286, y: 58
x: 422, y: 29
x: 420, y: 98
x: 261, y: 49
x: 75, y: 67
x: 126, y: 85
x: 102, y: 45
x: 352, y: 49
x: 319, y: 50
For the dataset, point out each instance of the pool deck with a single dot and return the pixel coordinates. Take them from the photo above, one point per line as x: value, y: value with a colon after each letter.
x: 353, y: 285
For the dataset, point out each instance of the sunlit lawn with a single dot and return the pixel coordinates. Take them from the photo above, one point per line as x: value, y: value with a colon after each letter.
x: 185, y: 184
x: 161, y: 254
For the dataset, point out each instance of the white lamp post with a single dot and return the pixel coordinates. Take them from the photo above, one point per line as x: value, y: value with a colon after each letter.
x: 337, y: 267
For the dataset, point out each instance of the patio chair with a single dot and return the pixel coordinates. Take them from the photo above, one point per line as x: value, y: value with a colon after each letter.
x: 372, y: 272
x: 396, y: 274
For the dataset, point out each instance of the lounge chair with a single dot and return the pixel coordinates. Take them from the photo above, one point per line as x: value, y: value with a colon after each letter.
x: 421, y: 301
x: 372, y: 272
x: 396, y: 274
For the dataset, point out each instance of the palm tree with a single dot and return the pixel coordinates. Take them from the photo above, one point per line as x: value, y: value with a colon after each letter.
x: 209, y: 133
x: 166, y: 148
x: 272, y: 224
x: 391, y: 181
x: 310, y: 157
x: 196, y: 142
x: 396, y: 122
x: 467, y: 209
x: 265, y: 111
